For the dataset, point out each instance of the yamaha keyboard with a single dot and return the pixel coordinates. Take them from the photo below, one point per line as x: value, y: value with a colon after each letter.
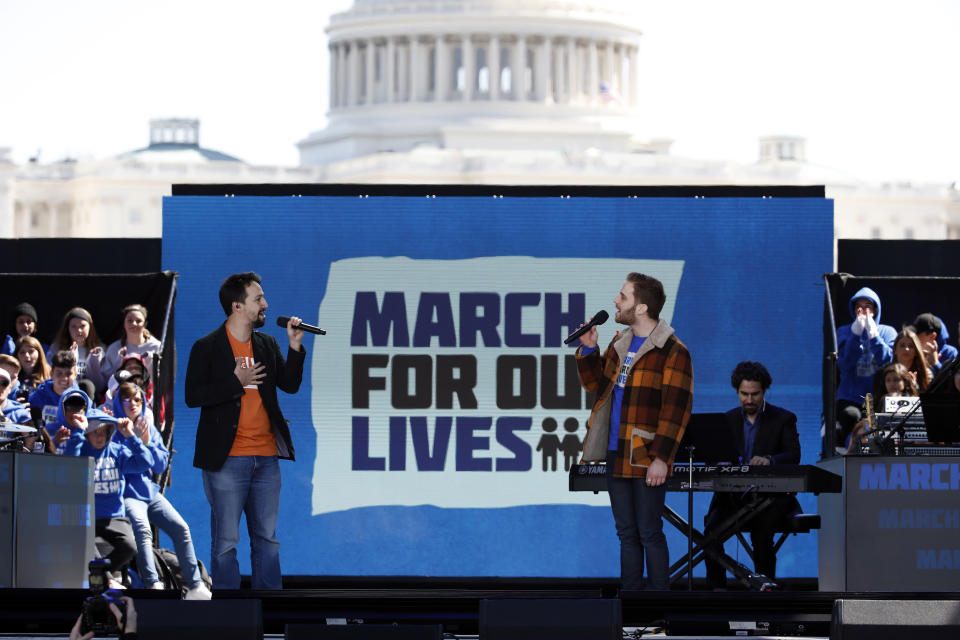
x: 781, y: 478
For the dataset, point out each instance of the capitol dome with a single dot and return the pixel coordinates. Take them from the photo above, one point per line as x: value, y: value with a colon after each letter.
x: 479, y: 74
x: 612, y: 11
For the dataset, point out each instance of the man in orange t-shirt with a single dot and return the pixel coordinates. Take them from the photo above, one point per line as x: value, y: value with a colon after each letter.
x: 233, y: 375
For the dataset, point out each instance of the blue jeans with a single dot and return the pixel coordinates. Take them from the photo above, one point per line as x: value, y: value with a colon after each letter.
x: 247, y: 485
x: 160, y: 512
x: 637, y: 513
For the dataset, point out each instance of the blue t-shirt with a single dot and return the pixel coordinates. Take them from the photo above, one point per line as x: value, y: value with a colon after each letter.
x: 618, y: 387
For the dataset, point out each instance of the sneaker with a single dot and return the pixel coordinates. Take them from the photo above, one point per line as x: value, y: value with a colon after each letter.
x: 199, y: 592
x: 157, y: 585
x: 115, y: 584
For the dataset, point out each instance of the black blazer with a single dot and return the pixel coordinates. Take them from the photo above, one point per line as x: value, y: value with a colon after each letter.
x: 776, y: 434
x: 212, y: 386
x: 776, y: 437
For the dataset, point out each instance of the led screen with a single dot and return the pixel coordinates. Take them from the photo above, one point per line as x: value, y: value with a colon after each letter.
x: 439, y: 413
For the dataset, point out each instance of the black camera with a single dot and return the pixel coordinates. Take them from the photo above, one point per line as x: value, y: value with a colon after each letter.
x: 96, y: 615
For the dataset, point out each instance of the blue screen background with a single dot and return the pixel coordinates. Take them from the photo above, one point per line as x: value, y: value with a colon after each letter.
x: 751, y: 290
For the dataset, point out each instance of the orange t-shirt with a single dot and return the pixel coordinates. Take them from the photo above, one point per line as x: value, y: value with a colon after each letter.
x: 254, y: 437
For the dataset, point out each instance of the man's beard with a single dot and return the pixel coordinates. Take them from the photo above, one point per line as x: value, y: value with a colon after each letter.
x: 626, y: 317
x: 260, y: 321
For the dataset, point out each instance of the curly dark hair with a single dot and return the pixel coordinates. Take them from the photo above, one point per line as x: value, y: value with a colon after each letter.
x: 753, y: 371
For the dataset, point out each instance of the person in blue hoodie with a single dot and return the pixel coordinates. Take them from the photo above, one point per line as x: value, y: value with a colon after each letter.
x: 45, y: 401
x: 146, y: 505
x: 91, y: 434
x: 932, y: 333
x: 863, y: 347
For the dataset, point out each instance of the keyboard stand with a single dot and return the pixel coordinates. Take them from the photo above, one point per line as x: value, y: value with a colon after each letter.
x: 726, y: 530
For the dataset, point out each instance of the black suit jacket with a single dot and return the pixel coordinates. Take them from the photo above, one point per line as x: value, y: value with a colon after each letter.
x: 212, y: 386
x: 776, y: 434
x: 777, y: 437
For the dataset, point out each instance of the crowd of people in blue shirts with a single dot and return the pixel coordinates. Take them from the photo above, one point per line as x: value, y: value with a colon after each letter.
x: 85, y: 398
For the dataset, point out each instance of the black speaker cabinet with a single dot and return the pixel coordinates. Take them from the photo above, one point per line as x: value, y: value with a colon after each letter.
x: 883, y: 619
x: 551, y: 619
x: 363, y: 632
x: 199, y: 619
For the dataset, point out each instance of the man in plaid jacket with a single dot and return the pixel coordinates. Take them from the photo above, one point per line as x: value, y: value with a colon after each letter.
x: 644, y: 394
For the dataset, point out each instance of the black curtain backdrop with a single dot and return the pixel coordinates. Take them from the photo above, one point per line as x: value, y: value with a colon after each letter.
x: 80, y: 255
x: 899, y: 257
x: 102, y: 294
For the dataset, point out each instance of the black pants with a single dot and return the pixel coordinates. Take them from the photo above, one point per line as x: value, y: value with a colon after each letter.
x: 638, y: 516
x: 761, y: 527
x: 118, y: 534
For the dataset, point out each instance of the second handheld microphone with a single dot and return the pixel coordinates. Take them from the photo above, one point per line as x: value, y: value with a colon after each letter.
x: 309, y: 328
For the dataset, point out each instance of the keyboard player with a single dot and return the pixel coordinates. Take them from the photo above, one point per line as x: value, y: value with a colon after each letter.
x: 764, y: 435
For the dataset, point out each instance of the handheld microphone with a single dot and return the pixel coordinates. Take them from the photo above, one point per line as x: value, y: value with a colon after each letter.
x: 309, y: 328
x: 598, y: 319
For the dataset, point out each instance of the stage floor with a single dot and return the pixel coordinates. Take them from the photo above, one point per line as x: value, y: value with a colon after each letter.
x: 50, y: 613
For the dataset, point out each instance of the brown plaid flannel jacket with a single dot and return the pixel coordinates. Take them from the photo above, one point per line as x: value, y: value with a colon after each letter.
x: 657, y: 400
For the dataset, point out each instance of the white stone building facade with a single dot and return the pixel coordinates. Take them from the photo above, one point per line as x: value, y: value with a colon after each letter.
x: 460, y: 92
x: 120, y: 196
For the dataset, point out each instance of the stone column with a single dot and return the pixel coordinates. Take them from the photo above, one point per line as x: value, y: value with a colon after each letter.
x: 518, y: 69
x: 624, y: 78
x: 403, y: 71
x: 337, y: 98
x: 415, y: 75
x: 353, y: 76
x: 371, y: 51
x: 332, y: 76
x: 468, y: 58
x: 593, y: 72
x: 613, y: 70
x: 493, y: 66
x: 389, y: 69
x: 342, y: 72
x: 559, y: 74
x: 544, y: 59
x: 442, y: 73
x: 632, y: 57
x: 572, y: 70
x: 603, y: 63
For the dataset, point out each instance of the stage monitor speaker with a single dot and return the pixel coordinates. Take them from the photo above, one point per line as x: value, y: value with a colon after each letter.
x: 199, y: 619
x: 883, y: 619
x: 363, y: 632
x: 555, y: 619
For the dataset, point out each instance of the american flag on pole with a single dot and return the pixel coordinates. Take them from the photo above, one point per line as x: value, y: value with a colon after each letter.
x: 609, y: 95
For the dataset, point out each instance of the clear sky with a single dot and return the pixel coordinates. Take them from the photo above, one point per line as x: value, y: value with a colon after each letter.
x: 872, y: 85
